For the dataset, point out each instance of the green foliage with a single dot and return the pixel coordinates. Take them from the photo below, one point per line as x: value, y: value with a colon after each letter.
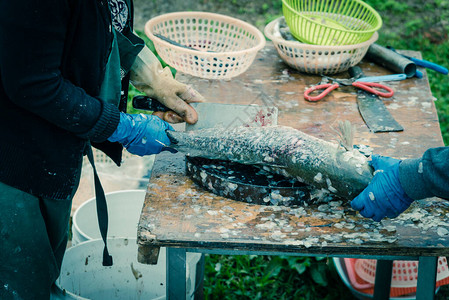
x: 271, y: 277
x: 393, y: 5
x: 414, y: 25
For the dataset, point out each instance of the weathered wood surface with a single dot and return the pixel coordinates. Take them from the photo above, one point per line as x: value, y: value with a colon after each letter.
x: 178, y: 213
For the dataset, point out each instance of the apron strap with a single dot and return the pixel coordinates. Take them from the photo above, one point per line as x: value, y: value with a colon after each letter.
x: 102, y: 209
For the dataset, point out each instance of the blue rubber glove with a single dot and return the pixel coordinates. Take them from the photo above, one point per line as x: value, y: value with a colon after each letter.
x: 384, y: 196
x: 141, y: 134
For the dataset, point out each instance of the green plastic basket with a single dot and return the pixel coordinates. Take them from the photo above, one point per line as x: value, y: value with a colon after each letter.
x: 331, y: 22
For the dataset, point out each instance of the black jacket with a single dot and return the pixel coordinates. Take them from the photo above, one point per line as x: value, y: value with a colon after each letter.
x: 52, y: 59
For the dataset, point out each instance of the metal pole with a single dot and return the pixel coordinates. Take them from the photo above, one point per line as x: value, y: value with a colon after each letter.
x: 382, y: 282
x: 176, y: 273
x: 427, y: 276
x: 391, y: 60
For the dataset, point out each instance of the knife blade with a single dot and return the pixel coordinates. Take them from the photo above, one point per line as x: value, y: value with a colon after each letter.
x: 218, y: 114
x: 373, y: 110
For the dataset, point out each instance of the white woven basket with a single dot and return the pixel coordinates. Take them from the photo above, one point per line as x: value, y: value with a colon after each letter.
x: 218, y: 46
x: 316, y: 59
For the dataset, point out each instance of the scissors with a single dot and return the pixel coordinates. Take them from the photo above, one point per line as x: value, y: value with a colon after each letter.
x: 363, y: 83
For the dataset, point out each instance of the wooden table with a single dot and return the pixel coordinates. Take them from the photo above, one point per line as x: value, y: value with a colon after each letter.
x: 183, y: 217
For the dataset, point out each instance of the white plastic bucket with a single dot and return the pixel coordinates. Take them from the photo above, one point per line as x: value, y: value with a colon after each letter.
x: 84, y: 277
x: 124, y: 208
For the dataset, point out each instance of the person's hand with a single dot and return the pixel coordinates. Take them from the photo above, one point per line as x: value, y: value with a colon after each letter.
x: 141, y: 134
x: 148, y: 76
x: 384, y: 196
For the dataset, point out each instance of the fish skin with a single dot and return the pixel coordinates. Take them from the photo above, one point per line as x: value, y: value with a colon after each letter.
x: 320, y: 163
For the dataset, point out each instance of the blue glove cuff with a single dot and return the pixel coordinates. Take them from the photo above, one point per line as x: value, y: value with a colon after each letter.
x: 124, y: 126
x: 141, y: 134
x: 411, y: 178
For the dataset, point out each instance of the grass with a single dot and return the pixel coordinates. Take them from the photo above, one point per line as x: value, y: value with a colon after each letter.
x: 271, y: 277
x: 413, y: 25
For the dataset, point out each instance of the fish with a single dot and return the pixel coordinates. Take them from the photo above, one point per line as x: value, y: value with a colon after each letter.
x: 327, y: 166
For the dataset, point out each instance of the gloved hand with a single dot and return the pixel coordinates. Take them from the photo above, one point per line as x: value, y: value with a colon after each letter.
x: 384, y: 196
x: 148, y: 76
x: 141, y: 134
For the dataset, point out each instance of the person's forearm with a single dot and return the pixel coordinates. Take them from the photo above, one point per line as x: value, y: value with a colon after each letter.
x: 427, y: 176
x: 145, y: 71
x: 148, y: 76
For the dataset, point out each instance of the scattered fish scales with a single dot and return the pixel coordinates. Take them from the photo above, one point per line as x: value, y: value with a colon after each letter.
x: 390, y: 228
x: 227, y: 218
x: 324, y: 208
x: 357, y: 241
x: 350, y: 226
x: 320, y: 215
x: 224, y: 230
x: 415, y: 217
x: 335, y: 203
x: 289, y: 151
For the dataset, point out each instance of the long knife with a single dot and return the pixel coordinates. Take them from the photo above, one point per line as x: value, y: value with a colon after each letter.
x: 372, y: 108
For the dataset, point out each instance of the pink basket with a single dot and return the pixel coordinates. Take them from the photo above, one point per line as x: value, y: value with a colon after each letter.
x: 215, y: 46
x: 361, y: 274
x: 405, y: 273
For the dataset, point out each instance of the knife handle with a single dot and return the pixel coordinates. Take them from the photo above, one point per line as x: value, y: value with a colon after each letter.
x: 146, y: 103
x: 356, y: 72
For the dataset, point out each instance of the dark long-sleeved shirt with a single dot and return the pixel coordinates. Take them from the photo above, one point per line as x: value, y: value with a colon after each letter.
x: 427, y: 176
x: 52, y: 62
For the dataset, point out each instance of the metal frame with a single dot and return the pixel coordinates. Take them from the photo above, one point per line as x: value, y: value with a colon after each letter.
x: 427, y: 270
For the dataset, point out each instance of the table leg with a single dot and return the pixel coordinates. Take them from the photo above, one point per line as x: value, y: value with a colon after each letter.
x: 176, y: 273
x: 382, y: 282
x: 427, y: 276
x: 199, y: 279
